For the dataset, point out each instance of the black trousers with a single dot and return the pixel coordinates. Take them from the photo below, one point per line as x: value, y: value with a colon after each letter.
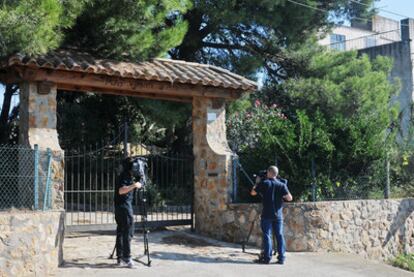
x: 124, y: 231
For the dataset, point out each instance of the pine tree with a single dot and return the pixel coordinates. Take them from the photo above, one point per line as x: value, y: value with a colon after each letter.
x: 246, y: 35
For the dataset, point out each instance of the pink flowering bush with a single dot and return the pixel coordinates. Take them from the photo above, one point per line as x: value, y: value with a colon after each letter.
x: 332, y: 127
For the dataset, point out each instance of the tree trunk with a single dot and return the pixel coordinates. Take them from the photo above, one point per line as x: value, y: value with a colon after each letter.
x: 193, y: 39
x: 5, y: 110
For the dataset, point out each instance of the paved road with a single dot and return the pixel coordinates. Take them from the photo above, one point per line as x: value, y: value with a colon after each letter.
x: 177, y: 253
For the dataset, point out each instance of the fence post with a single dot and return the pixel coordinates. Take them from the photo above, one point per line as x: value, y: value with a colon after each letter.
x: 313, y: 170
x: 47, y: 197
x: 36, y: 177
x: 235, y: 179
x: 387, y: 184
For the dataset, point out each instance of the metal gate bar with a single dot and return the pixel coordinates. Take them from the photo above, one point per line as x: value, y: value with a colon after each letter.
x: 90, y: 178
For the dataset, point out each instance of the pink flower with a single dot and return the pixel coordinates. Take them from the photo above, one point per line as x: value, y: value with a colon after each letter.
x: 257, y: 103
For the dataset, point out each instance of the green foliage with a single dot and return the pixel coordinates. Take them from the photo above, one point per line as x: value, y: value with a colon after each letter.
x: 35, y: 26
x: 401, y: 159
x: 155, y: 198
x: 404, y: 261
x: 246, y: 35
x: 89, y: 118
x: 338, y: 116
x: 126, y: 29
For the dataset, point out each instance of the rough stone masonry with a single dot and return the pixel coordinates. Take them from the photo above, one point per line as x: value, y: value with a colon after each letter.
x: 375, y: 229
x: 30, y: 243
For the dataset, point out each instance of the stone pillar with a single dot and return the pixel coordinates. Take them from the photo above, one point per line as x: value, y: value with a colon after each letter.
x: 38, y: 126
x: 212, y: 166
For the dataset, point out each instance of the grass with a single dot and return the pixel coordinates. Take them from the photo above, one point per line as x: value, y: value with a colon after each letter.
x: 404, y: 261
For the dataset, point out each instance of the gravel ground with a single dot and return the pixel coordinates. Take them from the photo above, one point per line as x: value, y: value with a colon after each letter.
x: 177, y: 252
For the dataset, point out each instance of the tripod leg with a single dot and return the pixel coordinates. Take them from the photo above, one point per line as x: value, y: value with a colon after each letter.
x: 144, y: 225
x: 250, y: 233
x: 113, y: 252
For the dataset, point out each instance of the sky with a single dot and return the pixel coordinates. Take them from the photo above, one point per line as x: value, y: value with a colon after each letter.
x: 403, y: 7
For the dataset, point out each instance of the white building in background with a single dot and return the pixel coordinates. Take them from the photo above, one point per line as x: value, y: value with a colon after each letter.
x: 378, y: 31
x: 385, y: 37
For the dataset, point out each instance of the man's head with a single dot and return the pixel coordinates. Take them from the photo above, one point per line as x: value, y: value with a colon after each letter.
x: 127, y: 165
x: 272, y: 172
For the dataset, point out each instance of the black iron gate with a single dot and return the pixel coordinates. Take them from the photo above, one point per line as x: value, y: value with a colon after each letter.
x: 90, y: 177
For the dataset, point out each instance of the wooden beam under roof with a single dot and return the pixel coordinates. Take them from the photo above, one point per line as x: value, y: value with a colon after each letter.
x: 125, y: 93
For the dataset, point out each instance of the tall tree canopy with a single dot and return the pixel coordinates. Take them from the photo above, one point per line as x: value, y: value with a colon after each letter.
x: 129, y: 29
x: 112, y: 29
x: 35, y: 26
x: 246, y: 35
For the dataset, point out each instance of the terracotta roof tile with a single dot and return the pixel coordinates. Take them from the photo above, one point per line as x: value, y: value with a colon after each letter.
x: 157, y: 69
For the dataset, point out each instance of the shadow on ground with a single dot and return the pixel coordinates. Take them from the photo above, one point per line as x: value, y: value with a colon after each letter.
x: 86, y: 264
x: 195, y: 258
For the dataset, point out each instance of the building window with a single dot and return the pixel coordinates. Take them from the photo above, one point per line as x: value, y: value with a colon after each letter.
x: 370, y: 42
x: 338, y: 42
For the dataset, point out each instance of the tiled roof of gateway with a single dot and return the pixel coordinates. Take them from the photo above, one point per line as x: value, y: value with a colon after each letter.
x: 157, y: 69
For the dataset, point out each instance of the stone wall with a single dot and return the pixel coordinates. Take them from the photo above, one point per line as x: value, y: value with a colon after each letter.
x: 376, y: 229
x: 30, y: 243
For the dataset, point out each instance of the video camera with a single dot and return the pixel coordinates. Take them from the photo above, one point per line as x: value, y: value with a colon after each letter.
x: 138, y: 168
x: 262, y: 174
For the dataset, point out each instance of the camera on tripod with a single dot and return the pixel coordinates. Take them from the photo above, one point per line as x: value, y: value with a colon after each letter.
x: 262, y: 174
x: 138, y: 167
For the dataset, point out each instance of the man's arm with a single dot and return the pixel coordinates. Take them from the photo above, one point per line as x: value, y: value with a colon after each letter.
x: 288, y: 197
x: 253, y: 192
x: 126, y: 189
x: 286, y: 193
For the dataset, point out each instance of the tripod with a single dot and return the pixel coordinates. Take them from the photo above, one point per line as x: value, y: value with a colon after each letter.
x: 143, y: 197
x: 244, y: 243
x: 144, y: 223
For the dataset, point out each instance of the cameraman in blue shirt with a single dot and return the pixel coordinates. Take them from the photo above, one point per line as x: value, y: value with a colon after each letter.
x: 274, y: 191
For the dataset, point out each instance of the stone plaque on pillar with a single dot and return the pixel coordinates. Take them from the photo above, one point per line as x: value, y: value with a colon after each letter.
x: 44, y: 87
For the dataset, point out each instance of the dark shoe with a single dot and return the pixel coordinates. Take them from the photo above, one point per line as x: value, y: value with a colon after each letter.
x: 280, y: 262
x: 261, y: 261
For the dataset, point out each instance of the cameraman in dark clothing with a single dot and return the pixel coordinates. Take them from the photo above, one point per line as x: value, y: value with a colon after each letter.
x: 273, y: 192
x: 123, y: 197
